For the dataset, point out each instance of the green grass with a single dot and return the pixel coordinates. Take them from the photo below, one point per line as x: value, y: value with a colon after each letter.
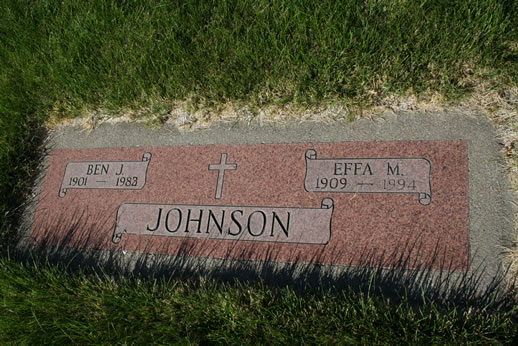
x: 120, y: 53
x: 58, y: 58
x: 45, y: 305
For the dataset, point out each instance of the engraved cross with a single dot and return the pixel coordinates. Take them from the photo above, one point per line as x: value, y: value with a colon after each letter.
x: 221, y: 167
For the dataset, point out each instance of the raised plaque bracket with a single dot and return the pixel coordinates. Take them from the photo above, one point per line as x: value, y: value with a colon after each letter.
x: 244, y: 223
x: 369, y: 175
x: 118, y: 175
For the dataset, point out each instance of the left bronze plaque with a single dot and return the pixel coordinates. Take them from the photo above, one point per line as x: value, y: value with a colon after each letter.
x: 120, y: 175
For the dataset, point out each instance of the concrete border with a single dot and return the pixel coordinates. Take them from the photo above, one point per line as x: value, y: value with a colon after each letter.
x: 492, y: 206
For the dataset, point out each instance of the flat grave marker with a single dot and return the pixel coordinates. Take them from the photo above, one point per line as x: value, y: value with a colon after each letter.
x: 329, y: 203
x: 411, y: 191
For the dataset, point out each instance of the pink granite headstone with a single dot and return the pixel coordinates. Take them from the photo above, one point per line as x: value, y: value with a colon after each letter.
x: 345, y: 203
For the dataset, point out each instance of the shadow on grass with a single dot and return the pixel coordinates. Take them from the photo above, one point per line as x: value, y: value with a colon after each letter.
x: 394, y: 275
x: 19, y: 169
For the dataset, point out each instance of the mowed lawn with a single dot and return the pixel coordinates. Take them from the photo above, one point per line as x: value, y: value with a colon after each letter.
x: 63, y: 59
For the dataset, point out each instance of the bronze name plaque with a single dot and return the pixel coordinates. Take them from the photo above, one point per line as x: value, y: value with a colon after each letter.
x: 121, y: 175
x: 273, y: 224
x: 369, y: 175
